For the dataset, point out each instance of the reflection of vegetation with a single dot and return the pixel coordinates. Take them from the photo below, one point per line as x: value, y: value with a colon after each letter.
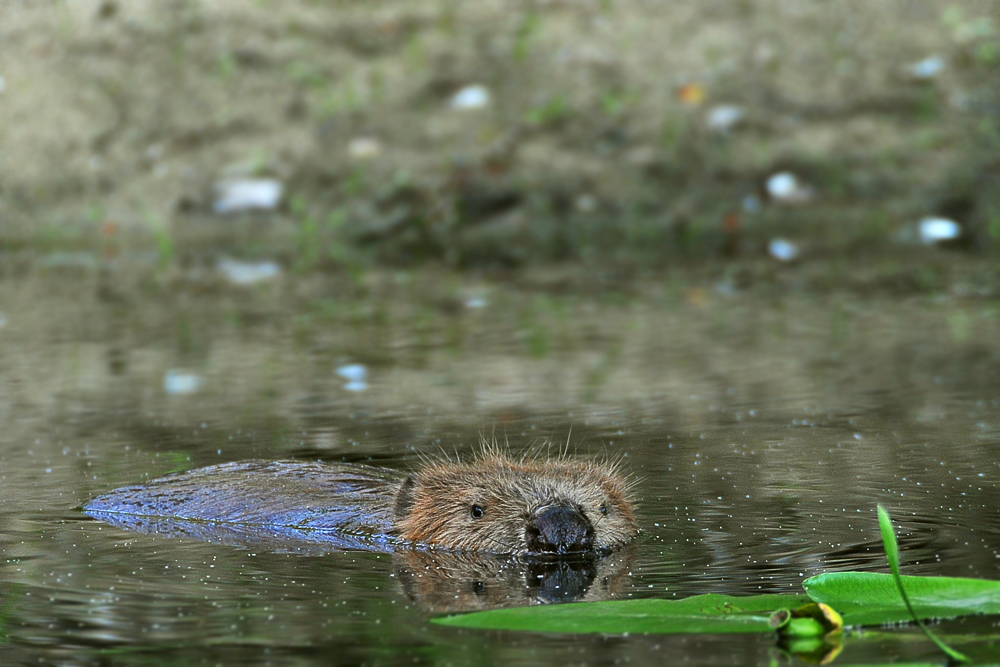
x: 994, y: 227
x: 6, y: 610
x: 175, y: 461
x: 960, y: 324
x: 599, y: 373
x: 535, y: 325
x: 186, y: 342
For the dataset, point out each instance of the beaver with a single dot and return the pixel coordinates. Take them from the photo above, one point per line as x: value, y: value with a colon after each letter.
x: 531, y: 506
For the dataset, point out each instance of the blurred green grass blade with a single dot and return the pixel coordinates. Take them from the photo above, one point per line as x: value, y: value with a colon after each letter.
x: 889, y: 541
x: 700, y: 614
x: 892, y: 553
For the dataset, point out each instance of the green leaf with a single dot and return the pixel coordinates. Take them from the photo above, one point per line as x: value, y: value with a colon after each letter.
x: 889, y: 540
x: 700, y: 614
x: 892, y: 553
x: 868, y: 598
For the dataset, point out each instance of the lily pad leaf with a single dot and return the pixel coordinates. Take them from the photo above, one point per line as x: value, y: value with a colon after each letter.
x: 711, y: 613
x: 867, y: 598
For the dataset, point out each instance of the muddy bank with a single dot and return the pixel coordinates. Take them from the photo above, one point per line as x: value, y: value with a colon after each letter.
x: 497, y: 134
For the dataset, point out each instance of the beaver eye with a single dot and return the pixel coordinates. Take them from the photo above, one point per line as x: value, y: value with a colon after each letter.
x: 477, y: 512
x: 604, y: 508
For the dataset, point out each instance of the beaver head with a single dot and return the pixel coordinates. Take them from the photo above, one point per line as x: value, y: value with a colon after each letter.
x: 533, y: 507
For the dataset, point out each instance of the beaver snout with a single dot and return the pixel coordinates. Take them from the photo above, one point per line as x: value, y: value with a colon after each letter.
x: 559, y: 529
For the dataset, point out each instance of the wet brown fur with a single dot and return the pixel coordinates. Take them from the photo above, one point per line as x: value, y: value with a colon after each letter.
x: 435, y: 506
x: 484, y: 505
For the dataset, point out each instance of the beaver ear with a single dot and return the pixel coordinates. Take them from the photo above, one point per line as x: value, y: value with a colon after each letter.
x: 404, y: 498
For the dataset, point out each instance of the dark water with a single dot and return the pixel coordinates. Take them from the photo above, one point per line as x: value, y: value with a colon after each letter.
x: 763, y: 430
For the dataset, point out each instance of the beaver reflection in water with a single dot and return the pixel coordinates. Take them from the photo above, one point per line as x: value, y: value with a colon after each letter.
x: 548, y: 507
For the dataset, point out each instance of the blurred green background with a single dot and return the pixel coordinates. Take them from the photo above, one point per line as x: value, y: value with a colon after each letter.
x: 495, y: 136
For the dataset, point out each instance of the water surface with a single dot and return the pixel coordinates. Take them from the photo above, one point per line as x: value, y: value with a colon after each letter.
x: 762, y: 428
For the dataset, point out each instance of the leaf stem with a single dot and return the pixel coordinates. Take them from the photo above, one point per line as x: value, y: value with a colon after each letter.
x: 892, y: 553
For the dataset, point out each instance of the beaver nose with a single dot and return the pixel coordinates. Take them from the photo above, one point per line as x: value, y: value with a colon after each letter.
x: 559, y: 529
